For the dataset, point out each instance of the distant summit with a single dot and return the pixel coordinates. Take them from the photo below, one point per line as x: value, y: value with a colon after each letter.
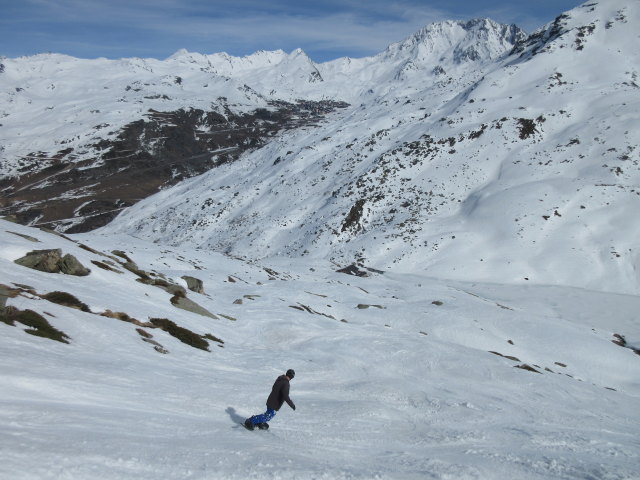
x: 477, y: 40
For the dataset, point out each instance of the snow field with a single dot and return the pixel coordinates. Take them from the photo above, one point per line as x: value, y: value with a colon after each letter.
x: 526, y: 246
x: 376, y: 397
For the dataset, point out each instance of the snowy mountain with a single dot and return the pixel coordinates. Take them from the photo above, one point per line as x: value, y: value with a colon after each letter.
x: 440, y: 240
x: 521, y: 168
x: 112, y: 132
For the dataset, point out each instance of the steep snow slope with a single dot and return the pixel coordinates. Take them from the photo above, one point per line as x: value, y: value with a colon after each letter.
x: 519, y: 170
x: 395, y: 378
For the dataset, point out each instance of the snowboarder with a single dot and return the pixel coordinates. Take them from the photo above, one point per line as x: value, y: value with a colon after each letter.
x: 279, y: 395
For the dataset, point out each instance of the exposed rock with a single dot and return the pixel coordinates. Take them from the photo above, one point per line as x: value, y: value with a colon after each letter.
x: 176, y: 290
x: 194, y: 284
x: 42, y: 260
x: 364, y: 306
x: 126, y: 169
x: 353, y: 270
x: 147, y: 337
x: 189, y: 305
x: 121, y: 254
x: 305, y: 308
x: 509, y: 357
x: 528, y: 368
x: 105, y: 266
x: 133, y: 268
x: 352, y: 220
x: 52, y: 261
x: 126, y: 318
x: 213, y: 338
x: 71, y: 266
x: 622, y: 341
x: 27, y: 237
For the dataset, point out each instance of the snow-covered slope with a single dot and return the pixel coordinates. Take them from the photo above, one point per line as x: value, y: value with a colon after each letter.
x: 52, y: 102
x: 49, y: 102
x: 486, y: 185
x: 398, y: 376
x: 82, y: 139
x: 521, y: 169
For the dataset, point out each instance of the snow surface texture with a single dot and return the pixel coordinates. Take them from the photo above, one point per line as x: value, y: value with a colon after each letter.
x: 498, y: 193
x: 389, y: 384
x: 523, y: 168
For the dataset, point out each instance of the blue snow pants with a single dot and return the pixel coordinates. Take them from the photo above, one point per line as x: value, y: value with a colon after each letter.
x: 264, y: 417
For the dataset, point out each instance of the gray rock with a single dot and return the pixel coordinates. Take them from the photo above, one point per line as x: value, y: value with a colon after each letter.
x: 189, y: 305
x: 194, y: 284
x: 174, y: 289
x: 52, y: 261
x: 42, y: 260
x: 71, y: 266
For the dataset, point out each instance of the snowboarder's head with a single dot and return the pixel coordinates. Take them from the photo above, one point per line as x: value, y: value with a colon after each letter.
x: 290, y: 373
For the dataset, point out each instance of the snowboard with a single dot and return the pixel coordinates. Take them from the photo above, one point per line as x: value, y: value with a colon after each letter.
x: 261, y: 426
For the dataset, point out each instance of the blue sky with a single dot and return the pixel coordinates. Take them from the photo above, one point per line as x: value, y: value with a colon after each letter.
x: 324, y: 29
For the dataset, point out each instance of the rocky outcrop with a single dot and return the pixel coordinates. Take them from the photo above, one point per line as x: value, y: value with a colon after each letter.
x: 353, y: 270
x: 71, y: 266
x: 189, y: 305
x: 194, y: 284
x: 52, y: 261
x: 151, y: 153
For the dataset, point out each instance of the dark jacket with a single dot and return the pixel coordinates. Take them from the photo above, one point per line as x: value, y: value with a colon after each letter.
x: 280, y: 394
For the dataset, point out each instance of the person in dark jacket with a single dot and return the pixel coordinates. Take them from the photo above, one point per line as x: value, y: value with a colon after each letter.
x: 279, y: 394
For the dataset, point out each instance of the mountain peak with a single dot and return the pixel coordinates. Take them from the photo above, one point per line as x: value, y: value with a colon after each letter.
x: 479, y: 39
x: 180, y: 53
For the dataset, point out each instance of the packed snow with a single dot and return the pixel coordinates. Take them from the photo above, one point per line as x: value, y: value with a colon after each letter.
x: 482, y: 199
x: 395, y: 378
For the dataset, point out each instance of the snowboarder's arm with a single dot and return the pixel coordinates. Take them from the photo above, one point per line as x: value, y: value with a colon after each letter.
x: 285, y: 391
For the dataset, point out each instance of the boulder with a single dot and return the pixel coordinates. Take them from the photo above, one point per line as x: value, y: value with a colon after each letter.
x: 71, y: 266
x: 194, y: 284
x: 42, y: 260
x: 52, y: 261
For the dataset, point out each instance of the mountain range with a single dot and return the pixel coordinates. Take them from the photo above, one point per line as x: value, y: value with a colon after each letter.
x: 468, y: 148
x: 440, y: 239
